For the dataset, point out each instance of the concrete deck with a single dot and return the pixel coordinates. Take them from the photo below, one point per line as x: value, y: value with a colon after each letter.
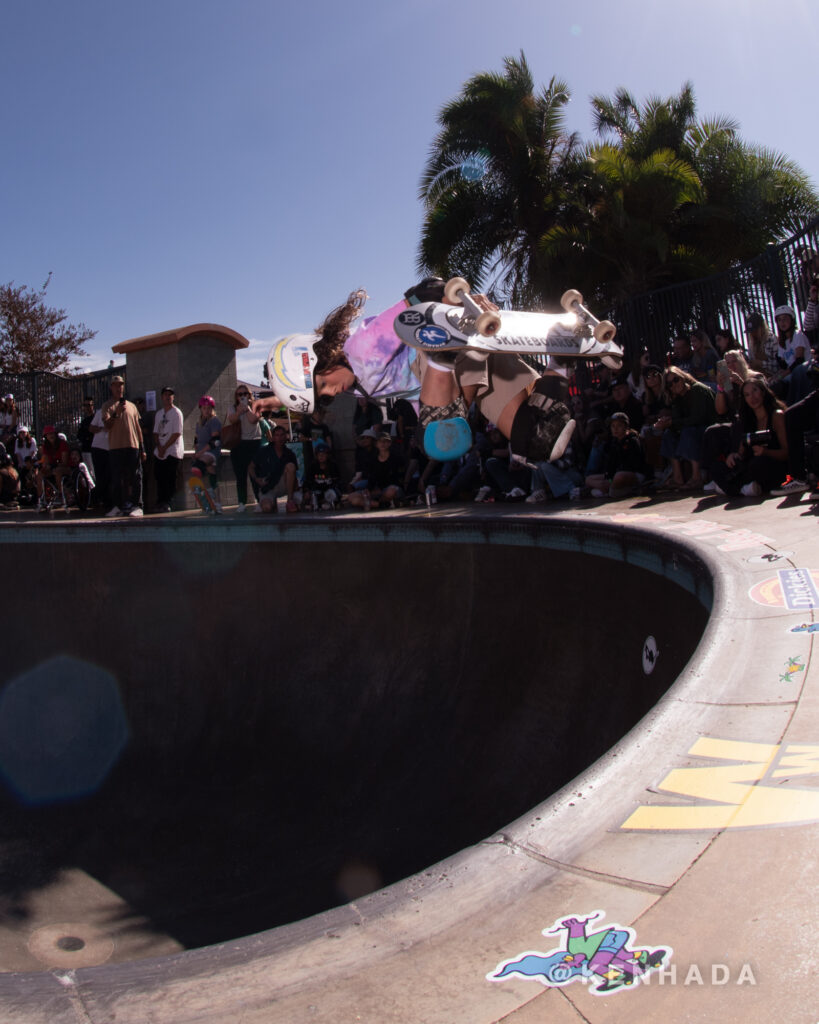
x: 698, y: 830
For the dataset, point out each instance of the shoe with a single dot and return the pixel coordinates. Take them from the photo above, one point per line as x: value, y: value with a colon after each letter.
x: 135, y: 513
x: 217, y: 505
x: 597, y: 493
x: 575, y: 494
x: 258, y: 509
x: 710, y: 487
x: 752, y: 490
x: 515, y: 494
x: 42, y: 507
x: 562, y: 442
x: 240, y: 508
x: 535, y: 496
x: 483, y: 493
x: 791, y: 486
x: 113, y: 513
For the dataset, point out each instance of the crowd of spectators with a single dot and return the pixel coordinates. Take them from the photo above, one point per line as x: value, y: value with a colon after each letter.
x: 717, y: 417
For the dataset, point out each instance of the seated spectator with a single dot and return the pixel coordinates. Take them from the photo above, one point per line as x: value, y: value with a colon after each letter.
x: 385, y: 476
x: 790, y: 382
x: 461, y: 478
x: 9, y: 421
x: 273, y: 471
x: 406, y: 420
x: 9, y: 480
x: 724, y: 341
x: 559, y: 479
x: 762, y: 346
x: 417, y: 462
x: 52, y: 464
x: 760, y: 451
x: 364, y: 457
x: 682, y: 355
x: 625, y: 464
x: 322, y: 484
x: 501, y: 476
x: 622, y: 400
x: 703, y: 358
x: 635, y: 378
x: 732, y: 372
x: 367, y: 415
x: 692, y: 411
x: 800, y: 419
x: 656, y: 406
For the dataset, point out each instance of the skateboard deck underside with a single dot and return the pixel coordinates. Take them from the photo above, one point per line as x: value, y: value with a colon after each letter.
x: 435, y: 325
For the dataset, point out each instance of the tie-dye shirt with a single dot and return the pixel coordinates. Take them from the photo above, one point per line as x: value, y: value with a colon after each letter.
x: 381, y: 362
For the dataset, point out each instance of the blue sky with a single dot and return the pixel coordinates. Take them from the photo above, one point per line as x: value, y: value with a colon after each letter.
x: 249, y: 162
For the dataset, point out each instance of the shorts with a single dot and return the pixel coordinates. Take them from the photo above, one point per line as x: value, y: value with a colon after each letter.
x: 498, y: 376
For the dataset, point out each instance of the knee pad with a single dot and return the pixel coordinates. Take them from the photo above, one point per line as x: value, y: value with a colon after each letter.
x: 447, y: 440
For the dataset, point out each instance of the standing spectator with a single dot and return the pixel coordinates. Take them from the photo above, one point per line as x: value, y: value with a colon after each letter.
x: 273, y: 470
x: 250, y: 441
x: 168, y: 450
x: 9, y: 480
x: 367, y: 415
x: 101, y: 462
x: 207, y: 445
x: 84, y: 434
x: 125, y: 448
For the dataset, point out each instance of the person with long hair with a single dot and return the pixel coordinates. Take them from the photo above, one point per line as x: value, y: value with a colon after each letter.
x: 242, y: 454
x: 724, y: 341
x: 703, y: 359
x: 760, y: 448
x: 692, y: 412
x: 762, y: 346
x: 531, y: 411
x: 793, y: 357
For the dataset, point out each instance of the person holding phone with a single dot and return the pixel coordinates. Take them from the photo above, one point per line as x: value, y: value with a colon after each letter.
x: 242, y: 454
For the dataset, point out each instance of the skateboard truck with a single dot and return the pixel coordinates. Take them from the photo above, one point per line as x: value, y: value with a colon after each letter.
x: 602, y: 330
x: 457, y: 293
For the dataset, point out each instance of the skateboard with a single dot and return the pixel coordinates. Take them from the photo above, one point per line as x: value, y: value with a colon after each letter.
x: 460, y: 323
x: 202, y: 495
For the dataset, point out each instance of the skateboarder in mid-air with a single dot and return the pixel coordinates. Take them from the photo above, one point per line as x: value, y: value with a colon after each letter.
x: 529, y: 410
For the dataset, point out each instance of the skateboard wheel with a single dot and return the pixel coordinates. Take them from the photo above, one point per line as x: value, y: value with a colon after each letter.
x: 569, y: 298
x: 613, y: 362
x: 454, y: 290
x: 604, y: 331
x: 488, y: 324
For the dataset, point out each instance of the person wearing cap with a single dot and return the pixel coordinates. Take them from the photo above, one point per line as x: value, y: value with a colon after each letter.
x: 364, y: 455
x: 120, y: 418
x: 168, y: 449
x: 625, y: 464
x: 84, y: 433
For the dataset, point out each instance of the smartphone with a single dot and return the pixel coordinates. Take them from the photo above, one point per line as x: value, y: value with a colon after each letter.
x: 724, y: 375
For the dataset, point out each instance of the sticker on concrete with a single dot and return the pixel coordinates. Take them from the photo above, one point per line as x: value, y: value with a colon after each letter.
x: 769, y: 558
x: 608, y: 959
x: 805, y: 627
x: 755, y: 789
x: 795, y: 589
x: 651, y: 653
x: 793, y: 666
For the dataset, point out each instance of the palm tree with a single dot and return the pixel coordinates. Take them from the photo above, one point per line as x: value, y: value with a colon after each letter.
x: 501, y: 172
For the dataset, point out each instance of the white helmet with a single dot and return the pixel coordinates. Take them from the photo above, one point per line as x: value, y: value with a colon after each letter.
x: 290, y: 367
x: 785, y: 311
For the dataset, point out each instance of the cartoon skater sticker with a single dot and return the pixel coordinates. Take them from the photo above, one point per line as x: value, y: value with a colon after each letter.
x: 607, y: 959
